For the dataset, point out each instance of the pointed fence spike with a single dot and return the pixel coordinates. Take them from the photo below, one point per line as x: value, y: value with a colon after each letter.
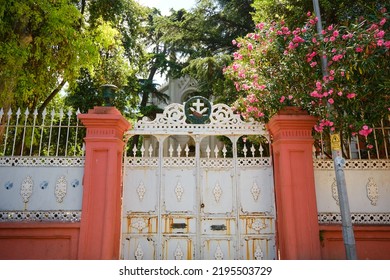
x: 253, y: 150
x: 216, y: 151
x: 245, y: 150
x: 142, y: 150
x: 27, y: 112
x: 224, y: 151
x: 170, y: 150
x: 208, y: 150
x: 261, y: 150
x: 187, y: 150
x: 135, y: 150
x: 9, y: 112
x: 150, y: 150
x: 179, y: 151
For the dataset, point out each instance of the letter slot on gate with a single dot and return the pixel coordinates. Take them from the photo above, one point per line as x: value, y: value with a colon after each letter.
x: 218, y: 227
x: 178, y: 225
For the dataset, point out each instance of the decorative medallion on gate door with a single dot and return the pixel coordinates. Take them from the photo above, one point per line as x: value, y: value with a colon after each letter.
x: 258, y: 253
x: 179, y: 191
x: 138, y: 224
x: 258, y: 225
x: 139, y: 254
x: 26, y: 189
x: 141, y: 191
x: 255, y: 190
x: 218, y: 253
x: 178, y: 252
x: 217, y: 191
x: 197, y: 110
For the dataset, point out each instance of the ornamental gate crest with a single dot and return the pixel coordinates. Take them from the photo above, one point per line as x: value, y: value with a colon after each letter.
x: 199, y: 185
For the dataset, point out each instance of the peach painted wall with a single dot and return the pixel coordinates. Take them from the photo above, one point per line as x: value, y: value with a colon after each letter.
x: 372, y: 242
x: 39, y: 241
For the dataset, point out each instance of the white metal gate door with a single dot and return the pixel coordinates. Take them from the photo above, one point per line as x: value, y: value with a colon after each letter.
x: 188, y: 195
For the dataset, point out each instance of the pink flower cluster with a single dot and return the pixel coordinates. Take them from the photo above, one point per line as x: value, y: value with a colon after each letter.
x: 365, y: 131
x: 288, y: 62
x: 324, y: 123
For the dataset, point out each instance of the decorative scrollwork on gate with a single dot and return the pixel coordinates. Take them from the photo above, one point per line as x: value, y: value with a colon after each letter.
x: 221, y: 120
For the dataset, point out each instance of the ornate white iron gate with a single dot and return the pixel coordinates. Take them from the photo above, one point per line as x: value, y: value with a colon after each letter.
x: 188, y: 195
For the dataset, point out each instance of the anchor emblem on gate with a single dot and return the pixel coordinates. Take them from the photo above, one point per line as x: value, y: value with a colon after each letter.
x: 197, y: 110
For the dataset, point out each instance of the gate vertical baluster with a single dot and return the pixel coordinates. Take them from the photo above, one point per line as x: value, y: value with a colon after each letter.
x: 42, y: 127
x: 35, y: 114
x: 358, y: 146
x: 77, y: 130
x: 51, y: 129
x: 67, y: 132
x: 236, y: 195
x: 26, y: 113
x: 384, y: 139
x: 16, y: 130
x: 160, y: 194
x: 350, y: 147
x: 198, y: 199
x: 1, y: 119
x: 59, y: 130
x: 9, y: 114
x: 376, y: 142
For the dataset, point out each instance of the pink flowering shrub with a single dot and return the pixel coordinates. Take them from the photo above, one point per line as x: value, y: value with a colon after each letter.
x: 276, y: 66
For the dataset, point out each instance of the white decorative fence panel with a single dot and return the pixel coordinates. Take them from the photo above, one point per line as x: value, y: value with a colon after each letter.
x: 368, y: 187
x: 34, y: 188
x: 41, y: 166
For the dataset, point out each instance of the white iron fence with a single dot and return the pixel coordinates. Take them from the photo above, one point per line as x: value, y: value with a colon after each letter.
x: 375, y: 146
x: 48, y: 134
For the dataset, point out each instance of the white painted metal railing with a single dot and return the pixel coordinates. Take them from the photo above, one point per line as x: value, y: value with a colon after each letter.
x: 49, y: 134
x: 374, y: 146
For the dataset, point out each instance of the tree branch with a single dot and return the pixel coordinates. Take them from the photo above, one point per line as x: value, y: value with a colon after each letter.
x: 51, y: 96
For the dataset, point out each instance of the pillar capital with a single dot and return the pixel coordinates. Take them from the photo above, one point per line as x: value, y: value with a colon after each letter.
x: 291, y: 127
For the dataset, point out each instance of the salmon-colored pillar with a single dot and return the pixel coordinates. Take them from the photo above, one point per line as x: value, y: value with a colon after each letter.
x: 297, y: 222
x: 101, y: 209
